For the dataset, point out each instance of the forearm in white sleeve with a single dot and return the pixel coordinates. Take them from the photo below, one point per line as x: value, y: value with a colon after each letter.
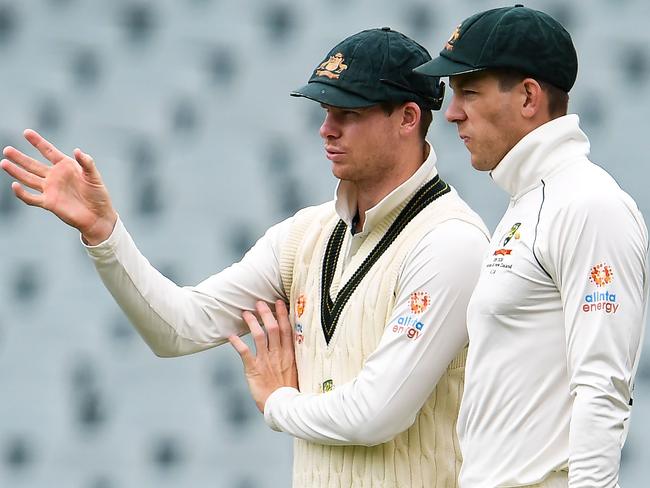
x: 177, y: 320
x: 398, y: 377
x: 601, y: 270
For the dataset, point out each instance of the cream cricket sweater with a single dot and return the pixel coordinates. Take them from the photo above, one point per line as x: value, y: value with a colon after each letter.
x: 425, y: 455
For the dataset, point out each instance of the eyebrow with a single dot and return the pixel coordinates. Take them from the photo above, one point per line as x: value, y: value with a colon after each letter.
x: 459, y: 83
x: 464, y: 79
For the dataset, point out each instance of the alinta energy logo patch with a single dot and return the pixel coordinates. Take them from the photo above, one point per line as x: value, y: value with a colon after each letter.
x: 332, y: 67
x: 604, y: 301
x: 601, y: 275
x: 408, y: 325
x: 419, y: 301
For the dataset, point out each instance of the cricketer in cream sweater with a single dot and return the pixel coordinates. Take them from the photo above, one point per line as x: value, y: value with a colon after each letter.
x: 378, y: 281
x: 368, y: 363
x: 397, y: 338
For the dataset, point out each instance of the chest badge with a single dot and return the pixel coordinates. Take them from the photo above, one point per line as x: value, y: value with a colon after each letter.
x: 511, y: 233
x: 500, y: 256
x: 328, y: 385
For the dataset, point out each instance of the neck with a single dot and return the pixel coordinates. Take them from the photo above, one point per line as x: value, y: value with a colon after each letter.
x: 370, y: 193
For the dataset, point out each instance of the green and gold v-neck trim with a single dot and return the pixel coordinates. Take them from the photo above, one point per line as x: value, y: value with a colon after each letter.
x: 331, y: 309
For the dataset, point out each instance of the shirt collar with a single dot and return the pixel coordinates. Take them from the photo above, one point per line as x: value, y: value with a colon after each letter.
x: 539, y: 154
x: 346, y: 195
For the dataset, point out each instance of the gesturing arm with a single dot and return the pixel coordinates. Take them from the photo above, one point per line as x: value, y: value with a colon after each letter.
x: 171, y: 319
x: 177, y: 320
x: 398, y: 377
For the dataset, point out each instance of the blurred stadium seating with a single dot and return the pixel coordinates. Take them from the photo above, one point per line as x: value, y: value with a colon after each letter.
x: 184, y: 105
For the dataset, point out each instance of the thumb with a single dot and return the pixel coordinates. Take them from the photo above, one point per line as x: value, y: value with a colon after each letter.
x: 86, y: 162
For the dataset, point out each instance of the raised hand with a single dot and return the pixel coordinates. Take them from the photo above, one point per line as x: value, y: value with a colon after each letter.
x: 72, y: 189
x: 274, y: 364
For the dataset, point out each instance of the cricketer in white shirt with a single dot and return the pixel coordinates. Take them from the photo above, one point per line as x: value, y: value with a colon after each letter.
x: 556, y: 320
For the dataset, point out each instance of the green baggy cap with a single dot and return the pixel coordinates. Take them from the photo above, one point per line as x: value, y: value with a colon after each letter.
x: 371, y: 67
x: 519, y: 38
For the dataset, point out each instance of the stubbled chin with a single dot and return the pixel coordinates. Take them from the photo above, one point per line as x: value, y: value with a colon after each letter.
x: 338, y: 170
x: 478, y: 164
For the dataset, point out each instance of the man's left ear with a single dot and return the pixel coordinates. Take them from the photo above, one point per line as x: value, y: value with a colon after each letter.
x: 534, y: 98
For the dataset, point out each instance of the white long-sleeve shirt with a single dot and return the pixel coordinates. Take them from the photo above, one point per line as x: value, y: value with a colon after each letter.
x: 399, y: 375
x: 555, y: 322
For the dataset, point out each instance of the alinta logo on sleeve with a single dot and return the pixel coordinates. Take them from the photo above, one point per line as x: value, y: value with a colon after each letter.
x: 601, y: 275
x: 409, y: 324
x: 419, y: 301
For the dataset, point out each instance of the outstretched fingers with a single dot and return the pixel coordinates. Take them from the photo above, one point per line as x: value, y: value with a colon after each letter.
x: 29, y: 164
x: 35, y: 200
x: 45, y: 147
x: 25, y: 177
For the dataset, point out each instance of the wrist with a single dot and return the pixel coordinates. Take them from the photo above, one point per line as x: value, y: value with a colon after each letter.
x: 101, y: 230
x: 262, y: 399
